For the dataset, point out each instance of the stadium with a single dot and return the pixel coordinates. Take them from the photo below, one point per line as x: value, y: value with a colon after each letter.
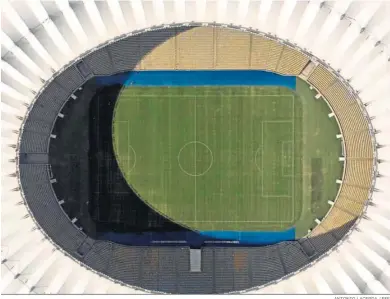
x: 195, y: 147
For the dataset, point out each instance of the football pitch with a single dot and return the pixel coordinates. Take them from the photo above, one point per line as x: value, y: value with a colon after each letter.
x: 222, y: 158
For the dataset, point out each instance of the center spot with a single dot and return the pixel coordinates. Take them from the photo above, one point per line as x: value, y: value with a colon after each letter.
x: 195, y: 158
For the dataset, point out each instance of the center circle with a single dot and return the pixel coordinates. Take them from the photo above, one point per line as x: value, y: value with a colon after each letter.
x: 195, y: 158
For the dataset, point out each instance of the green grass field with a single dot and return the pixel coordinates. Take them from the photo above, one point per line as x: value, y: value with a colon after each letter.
x: 229, y: 158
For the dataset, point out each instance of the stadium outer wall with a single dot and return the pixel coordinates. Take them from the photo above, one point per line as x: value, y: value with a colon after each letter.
x: 47, y: 83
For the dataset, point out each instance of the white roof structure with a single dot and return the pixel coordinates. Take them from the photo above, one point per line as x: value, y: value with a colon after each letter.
x: 39, y: 37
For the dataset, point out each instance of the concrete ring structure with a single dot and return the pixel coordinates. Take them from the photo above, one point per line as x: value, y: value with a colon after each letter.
x: 350, y: 245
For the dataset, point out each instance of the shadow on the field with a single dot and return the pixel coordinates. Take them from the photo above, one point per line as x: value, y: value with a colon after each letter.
x: 95, y: 192
x: 113, y: 204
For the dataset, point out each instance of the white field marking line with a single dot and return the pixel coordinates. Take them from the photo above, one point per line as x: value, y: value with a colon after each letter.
x: 191, y: 174
x: 276, y: 196
x: 256, y: 195
x: 277, y: 122
x: 283, y: 152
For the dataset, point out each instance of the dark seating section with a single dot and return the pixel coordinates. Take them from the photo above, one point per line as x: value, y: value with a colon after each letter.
x: 242, y: 270
x: 125, y: 53
x: 224, y: 270
x: 34, y: 158
x: 323, y: 242
x: 37, y: 187
x: 167, y: 269
x: 167, y: 266
x: 86, y: 246
x: 189, y: 282
x: 125, y: 264
x: 100, y: 62
x: 293, y: 256
x: 99, y: 256
x: 149, y: 40
x: 53, y: 98
x: 71, y: 79
x: 266, y: 265
x: 84, y: 69
x: 38, y: 125
x: 33, y: 142
x: 307, y: 247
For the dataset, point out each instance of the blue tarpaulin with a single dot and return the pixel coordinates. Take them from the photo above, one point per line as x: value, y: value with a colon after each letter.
x: 199, y: 78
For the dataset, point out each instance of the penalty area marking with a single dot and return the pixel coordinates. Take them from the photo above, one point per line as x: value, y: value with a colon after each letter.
x: 260, y: 151
x: 196, y: 174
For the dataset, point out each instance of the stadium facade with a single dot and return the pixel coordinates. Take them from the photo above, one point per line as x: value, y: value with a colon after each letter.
x: 50, y: 49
